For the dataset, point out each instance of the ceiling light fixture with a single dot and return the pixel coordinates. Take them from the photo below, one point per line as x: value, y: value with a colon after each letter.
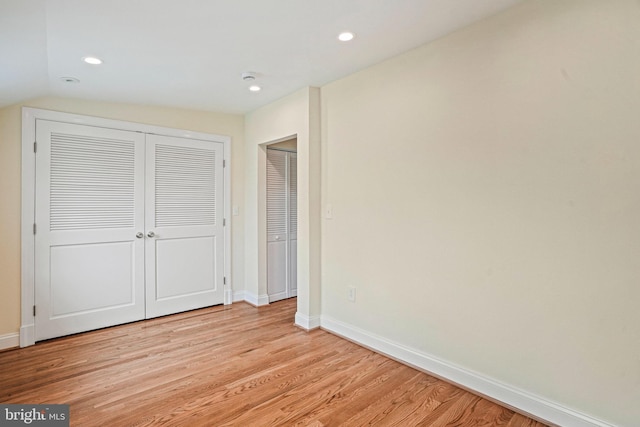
x: 248, y: 76
x: 346, y: 36
x: 69, y: 80
x: 92, y: 60
x: 254, y: 88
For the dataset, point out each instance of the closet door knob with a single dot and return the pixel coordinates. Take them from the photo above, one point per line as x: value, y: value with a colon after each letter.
x: 139, y: 234
x: 151, y: 234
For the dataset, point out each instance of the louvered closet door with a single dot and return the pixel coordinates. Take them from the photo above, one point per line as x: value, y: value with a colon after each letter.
x: 89, y: 206
x: 185, y: 253
x: 282, y: 224
x: 277, y: 205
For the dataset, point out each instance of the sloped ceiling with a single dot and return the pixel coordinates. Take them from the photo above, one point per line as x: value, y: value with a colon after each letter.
x: 191, y: 53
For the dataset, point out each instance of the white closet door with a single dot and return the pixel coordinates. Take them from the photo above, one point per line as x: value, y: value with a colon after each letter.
x: 184, y: 224
x: 277, y: 236
x: 293, y: 224
x: 282, y: 224
x: 89, y: 269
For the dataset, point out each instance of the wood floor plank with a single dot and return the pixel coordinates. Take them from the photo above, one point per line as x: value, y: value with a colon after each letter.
x: 381, y: 411
x: 234, y: 366
x: 358, y: 395
x: 401, y: 403
x: 472, y: 410
x: 519, y: 420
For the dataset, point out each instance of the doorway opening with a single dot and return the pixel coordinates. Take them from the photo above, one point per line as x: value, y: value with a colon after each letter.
x: 282, y: 220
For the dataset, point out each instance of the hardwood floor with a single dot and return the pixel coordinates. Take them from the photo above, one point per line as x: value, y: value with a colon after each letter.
x: 234, y: 366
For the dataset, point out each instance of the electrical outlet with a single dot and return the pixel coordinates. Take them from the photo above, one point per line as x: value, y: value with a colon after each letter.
x: 351, y: 293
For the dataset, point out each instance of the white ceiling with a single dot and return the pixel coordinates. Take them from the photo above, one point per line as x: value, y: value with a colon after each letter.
x: 191, y: 53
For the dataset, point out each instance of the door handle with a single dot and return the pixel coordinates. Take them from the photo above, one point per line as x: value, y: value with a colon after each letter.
x: 151, y: 234
x: 139, y: 234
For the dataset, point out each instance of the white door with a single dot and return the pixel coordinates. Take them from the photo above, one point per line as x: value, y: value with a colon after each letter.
x: 281, y: 225
x: 129, y: 226
x: 184, y: 224
x: 89, y: 206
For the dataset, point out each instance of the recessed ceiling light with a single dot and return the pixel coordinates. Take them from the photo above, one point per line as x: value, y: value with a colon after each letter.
x: 255, y: 88
x: 69, y: 80
x: 92, y: 60
x: 346, y: 36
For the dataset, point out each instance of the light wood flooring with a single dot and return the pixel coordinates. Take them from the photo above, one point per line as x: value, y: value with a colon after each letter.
x: 234, y: 366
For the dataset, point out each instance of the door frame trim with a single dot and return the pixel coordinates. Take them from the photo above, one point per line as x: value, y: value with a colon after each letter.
x: 29, y: 117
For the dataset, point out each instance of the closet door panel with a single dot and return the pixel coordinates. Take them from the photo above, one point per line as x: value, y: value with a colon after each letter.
x: 276, y: 271
x: 282, y: 224
x: 277, y: 226
x: 184, y: 224
x: 184, y: 267
x: 89, y: 268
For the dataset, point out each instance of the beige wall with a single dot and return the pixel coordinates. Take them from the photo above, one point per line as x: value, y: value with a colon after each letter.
x: 486, y: 201
x: 295, y: 115
x: 10, y: 155
x: 10, y: 160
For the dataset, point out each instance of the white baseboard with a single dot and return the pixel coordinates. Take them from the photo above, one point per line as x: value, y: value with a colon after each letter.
x: 306, y: 322
x: 9, y: 341
x: 238, y: 296
x: 257, y: 300
x: 279, y: 296
x: 512, y: 397
x: 27, y: 335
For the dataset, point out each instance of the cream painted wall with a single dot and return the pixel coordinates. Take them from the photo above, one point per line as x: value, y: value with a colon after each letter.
x: 295, y: 115
x: 10, y: 161
x: 486, y: 202
x: 10, y: 155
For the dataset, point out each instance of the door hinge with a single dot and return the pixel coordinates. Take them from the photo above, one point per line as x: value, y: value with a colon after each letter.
x: 34, y: 228
x: 224, y: 163
x: 35, y: 146
x: 224, y: 280
x: 224, y: 222
x: 34, y: 311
